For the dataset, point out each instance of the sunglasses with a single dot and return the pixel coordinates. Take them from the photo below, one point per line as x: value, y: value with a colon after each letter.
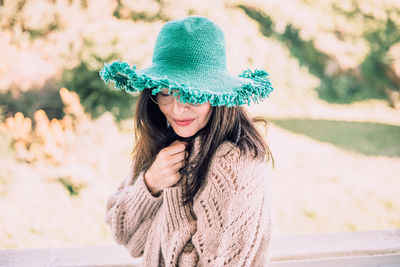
x: 163, y: 99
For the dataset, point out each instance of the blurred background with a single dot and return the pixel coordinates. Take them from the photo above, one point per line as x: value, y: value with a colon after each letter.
x: 66, y: 137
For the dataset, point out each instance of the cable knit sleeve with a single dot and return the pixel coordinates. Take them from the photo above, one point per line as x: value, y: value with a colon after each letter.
x: 227, y: 222
x: 129, y: 212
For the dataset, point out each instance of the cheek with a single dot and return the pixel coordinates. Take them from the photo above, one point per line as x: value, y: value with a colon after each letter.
x: 206, y: 113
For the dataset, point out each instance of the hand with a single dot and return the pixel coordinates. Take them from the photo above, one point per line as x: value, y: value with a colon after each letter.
x: 181, y: 182
x: 163, y: 172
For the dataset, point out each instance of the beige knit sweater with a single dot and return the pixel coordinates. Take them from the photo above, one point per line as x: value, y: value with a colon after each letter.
x: 227, y: 224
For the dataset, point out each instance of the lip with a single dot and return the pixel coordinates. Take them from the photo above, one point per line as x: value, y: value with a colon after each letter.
x: 184, y: 122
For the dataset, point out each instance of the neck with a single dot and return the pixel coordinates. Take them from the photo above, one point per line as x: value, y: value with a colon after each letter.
x: 172, y: 136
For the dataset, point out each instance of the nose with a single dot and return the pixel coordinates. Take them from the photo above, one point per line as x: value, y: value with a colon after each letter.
x: 179, y: 107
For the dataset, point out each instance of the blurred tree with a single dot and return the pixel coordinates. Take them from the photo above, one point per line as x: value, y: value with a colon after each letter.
x: 35, y: 17
x: 141, y: 10
x: 375, y: 77
x: 377, y: 68
x: 80, y: 53
x: 95, y: 96
x: 46, y: 98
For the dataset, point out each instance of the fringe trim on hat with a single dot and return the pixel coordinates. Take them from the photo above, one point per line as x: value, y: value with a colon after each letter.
x: 126, y: 78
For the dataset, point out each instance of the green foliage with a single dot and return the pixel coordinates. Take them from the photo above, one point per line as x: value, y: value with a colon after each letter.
x: 96, y: 97
x: 128, y: 10
x: 83, y: 51
x: 304, y: 51
x: 72, y: 188
x: 368, y: 80
x: 268, y: 25
x: 46, y: 98
x: 77, y: 40
x: 380, y: 41
x: 17, y: 16
x: 343, y: 88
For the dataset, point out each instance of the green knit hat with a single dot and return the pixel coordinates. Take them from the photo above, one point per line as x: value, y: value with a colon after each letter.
x: 189, y: 59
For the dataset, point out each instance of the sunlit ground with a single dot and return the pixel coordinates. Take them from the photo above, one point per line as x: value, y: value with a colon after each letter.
x: 337, y: 167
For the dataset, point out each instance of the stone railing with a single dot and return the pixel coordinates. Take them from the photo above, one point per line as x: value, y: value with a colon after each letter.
x: 368, y: 249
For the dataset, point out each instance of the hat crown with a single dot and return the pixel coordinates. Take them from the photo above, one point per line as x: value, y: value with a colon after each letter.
x: 189, y: 59
x: 193, y: 41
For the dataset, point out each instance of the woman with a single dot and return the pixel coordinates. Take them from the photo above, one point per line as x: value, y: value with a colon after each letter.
x: 196, y: 195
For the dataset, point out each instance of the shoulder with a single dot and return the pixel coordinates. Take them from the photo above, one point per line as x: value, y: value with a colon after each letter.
x: 227, y: 147
x: 236, y: 168
x: 230, y: 151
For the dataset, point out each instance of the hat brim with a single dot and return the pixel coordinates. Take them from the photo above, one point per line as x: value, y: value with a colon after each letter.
x: 218, y: 87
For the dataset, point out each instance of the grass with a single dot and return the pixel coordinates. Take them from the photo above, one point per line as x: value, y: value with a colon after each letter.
x: 367, y: 138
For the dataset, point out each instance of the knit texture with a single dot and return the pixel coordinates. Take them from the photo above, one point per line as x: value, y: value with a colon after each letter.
x: 228, y: 223
x: 189, y: 59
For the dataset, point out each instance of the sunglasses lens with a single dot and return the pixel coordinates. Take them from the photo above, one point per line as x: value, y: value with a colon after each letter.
x: 164, y: 99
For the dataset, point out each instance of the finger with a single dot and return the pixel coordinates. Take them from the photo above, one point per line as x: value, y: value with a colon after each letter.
x: 178, y: 166
x: 176, y: 147
x: 179, y: 145
x: 177, y: 158
x: 177, y: 142
x: 177, y: 178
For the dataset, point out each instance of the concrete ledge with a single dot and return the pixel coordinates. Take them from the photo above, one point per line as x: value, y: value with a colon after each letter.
x: 111, y: 255
x: 372, y: 248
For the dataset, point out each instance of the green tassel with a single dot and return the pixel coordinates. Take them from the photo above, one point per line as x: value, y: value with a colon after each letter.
x: 126, y: 78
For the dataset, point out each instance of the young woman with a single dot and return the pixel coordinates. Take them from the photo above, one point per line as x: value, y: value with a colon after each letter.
x: 196, y: 195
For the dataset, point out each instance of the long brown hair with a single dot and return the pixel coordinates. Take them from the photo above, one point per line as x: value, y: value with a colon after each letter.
x: 225, y: 124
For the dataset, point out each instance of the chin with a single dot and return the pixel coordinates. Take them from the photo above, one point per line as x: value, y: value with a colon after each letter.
x: 184, y: 133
